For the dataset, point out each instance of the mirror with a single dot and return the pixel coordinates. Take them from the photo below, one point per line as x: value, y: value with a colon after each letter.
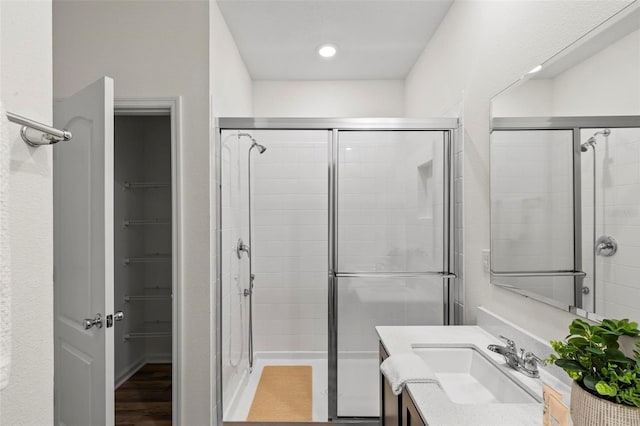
x: 565, y: 176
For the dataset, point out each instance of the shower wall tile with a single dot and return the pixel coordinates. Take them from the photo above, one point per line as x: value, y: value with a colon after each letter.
x: 290, y: 243
x: 617, y: 185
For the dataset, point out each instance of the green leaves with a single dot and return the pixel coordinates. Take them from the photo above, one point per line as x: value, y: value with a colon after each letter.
x: 606, y: 389
x: 591, y: 356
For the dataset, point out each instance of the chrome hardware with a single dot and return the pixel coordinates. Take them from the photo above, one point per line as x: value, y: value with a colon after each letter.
x: 249, y: 291
x: 87, y: 323
x: 529, y: 364
x: 118, y: 316
x: 526, y: 362
x: 242, y: 247
x: 50, y: 135
x: 586, y: 290
x: 606, y: 246
x: 511, y: 345
x: 509, y: 352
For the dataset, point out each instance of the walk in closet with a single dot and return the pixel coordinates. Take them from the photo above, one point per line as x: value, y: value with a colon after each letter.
x: 143, y: 262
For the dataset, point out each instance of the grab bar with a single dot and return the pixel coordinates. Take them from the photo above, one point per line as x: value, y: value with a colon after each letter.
x: 51, y: 134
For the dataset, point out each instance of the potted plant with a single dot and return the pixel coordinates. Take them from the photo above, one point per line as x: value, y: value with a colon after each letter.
x: 606, y: 387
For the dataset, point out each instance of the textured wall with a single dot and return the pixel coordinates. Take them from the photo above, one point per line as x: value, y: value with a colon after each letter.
x: 480, y: 48
x: 25, y: 61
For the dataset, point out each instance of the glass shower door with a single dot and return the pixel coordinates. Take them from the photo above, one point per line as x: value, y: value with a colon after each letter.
x: 390, y: 248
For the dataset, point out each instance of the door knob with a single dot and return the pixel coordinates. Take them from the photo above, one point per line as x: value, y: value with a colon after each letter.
x: 118, y: 316
x: 87, y: 323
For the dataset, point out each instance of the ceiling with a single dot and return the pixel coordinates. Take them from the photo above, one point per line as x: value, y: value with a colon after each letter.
x: 376, y: 39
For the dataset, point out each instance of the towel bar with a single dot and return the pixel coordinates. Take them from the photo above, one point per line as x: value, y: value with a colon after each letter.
x: 50, y: 134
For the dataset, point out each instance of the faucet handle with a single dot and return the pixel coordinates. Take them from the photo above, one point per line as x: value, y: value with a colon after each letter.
x: 511, y: 345
x: 530, y: 363
x: 532, y: 360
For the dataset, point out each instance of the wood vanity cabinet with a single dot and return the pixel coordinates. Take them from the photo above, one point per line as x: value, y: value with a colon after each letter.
x: 409, y: 414
x: 396, y: 410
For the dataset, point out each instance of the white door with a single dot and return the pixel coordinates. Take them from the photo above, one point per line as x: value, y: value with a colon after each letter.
x: 83, y: 257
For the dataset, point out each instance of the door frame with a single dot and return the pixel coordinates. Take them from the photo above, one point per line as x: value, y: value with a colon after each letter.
x: 172, y: 106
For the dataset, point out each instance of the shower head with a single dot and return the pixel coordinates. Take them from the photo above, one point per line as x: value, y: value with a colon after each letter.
x: 254, y: 143
x: 591, y: 142
x: 260, y: 148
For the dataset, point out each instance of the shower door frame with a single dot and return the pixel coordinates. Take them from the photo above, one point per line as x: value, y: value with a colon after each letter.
x: 575, y: 125
x: 448, y: 126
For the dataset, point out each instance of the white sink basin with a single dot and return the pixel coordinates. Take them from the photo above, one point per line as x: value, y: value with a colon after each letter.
x: 468, y: 376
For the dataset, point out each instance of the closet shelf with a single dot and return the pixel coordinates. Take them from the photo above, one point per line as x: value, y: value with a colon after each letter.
x: 145, y: 185
x: 146, y: 334
x: 128, y: 298
x: 154, y: 258
x: 156, y: 287
x: 143, y: 222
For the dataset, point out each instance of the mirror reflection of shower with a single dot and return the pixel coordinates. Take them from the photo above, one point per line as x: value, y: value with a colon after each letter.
x: 246, y: 248
x: 599, y: 244
x: 591, y: 142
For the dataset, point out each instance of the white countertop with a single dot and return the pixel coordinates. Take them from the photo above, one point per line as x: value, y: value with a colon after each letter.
x: 436, y: 407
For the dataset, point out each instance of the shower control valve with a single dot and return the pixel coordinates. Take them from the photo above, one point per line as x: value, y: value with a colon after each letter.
x: 242, y: 247
x: 606, y: 246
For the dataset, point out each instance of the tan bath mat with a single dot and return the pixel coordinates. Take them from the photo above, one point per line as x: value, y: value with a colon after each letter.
x: 284, y: 394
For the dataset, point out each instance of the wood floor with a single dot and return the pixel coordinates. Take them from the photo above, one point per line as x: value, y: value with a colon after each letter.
x: 145, y: 399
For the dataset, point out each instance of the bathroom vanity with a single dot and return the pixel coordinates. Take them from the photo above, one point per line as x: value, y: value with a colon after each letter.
x: 475, y: 387
x: 396, y: 410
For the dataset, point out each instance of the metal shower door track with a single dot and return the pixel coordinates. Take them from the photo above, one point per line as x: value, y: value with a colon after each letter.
x: 250, y: 123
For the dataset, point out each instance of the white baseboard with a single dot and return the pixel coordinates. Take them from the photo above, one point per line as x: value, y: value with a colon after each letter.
x: 160, y: 358
x: 130, y: 371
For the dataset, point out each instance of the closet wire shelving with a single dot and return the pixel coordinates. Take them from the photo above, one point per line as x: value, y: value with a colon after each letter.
x: 150, y: 330
x: 145, y: 185
x: 146, y: 332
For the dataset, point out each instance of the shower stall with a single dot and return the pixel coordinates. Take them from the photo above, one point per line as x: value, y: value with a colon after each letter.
x: 326, y: 228
x: 566, y: 211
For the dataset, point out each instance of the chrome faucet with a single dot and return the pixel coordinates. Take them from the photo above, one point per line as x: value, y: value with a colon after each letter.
x: 526, y: 362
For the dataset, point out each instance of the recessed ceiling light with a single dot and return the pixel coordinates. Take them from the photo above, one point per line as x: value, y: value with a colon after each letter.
x: 327, y: 51
x: 535, y: 69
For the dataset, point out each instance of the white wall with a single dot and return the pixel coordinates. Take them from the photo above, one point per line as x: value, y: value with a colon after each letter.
x: 613, y: 83
x: 611, y: 76
x: 25, y: 61
x: 231, y: 92
x: 468, y: 60
x: 155, y: 49
x: 347, y: 98
x: 230, y: 83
